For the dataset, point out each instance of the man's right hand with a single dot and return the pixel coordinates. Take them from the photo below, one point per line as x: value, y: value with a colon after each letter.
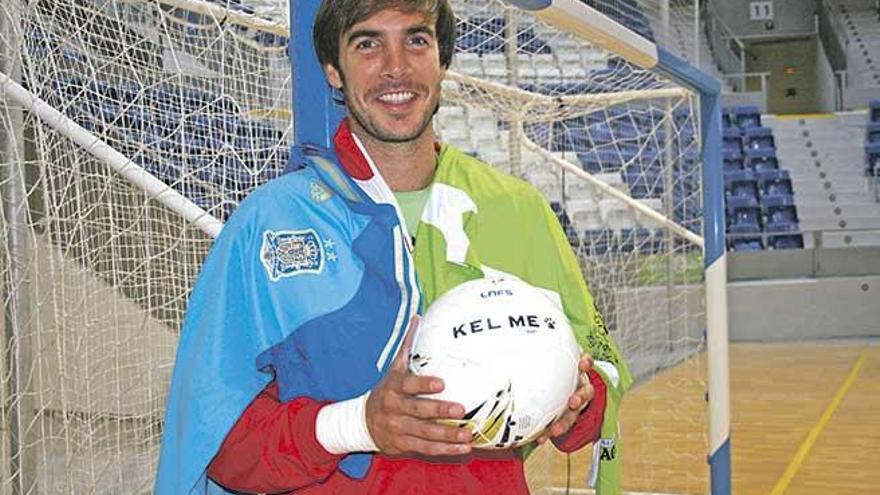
x: 401, y: 422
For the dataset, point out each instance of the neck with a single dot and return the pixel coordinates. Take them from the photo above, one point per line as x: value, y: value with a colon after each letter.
x: 405, y: 166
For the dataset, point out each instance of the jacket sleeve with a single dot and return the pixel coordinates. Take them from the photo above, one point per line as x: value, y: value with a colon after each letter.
x: 588, y: 425
x: 272, y: 448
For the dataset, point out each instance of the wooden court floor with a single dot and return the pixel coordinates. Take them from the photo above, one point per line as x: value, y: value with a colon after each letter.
x: 805, y: 420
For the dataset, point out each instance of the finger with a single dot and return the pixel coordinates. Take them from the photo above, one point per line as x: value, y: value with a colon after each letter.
x: 585, y: 365
x: 431, y: 448
x: 401, y: 360
x: 588, y: 391
x: 563, y: 424
x: 417, y: 384
x: 581, y: 397
x: 432, y: 409
x: 435, y: 431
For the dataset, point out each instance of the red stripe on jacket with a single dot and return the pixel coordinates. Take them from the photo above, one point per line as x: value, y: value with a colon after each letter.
x: 273, y: 449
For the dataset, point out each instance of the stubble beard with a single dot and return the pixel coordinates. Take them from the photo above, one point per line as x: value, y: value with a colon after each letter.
x: 374, y: 130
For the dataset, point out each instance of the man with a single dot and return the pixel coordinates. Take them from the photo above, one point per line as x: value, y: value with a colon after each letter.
x: 291, y: 370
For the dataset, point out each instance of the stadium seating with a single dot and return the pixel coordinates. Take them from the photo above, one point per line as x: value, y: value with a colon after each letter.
x: 186, y: 133
x: 835, y: 202
x: 759, y: 195
x: 486, y: 35
x: 745, y: 116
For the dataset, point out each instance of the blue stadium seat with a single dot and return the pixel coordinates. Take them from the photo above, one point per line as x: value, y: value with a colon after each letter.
x: 643, y: 184
x: 872, y: 133
x: 756, y: 138
x: 777, y: 200
x: 732, y: 143
x: 874, y: 111
x: 109, y: 112
x: 732, y: 153
x: 564, y: 220
x: 600, y: 160
x: 761, y: 159
x: 570, y: 135
x: 688, y: 159
x: 600, y: 241
x: 766, y: 176
x: 872, y: 159
x: 627, y: 243
x: 733, y: 163
x: 600, y: 134
x: 686, y: 211
x: 786, y: 241
x: 744, y: 220
x: 732, y: 133
x: 529, y: 42
x: 741, y: 184
x: 727, y: 118
x: 781, y: 219
x: 590, y: 161
x: 686, y: 181
x: 746, y: 116
x: 745, y: 244
x: 539, y: 132
x: 774, y: 183
x: 484, y: 35
x: 164, y: 171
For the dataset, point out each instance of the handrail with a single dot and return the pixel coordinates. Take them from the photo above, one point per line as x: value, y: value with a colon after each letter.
x: 832, y: 34
x: 725, y: 44
x: 741, y: 78
x: 841, y: 81
x: 833, y: 8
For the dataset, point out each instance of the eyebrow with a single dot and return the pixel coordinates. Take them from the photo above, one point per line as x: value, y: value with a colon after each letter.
x: 373, y: 33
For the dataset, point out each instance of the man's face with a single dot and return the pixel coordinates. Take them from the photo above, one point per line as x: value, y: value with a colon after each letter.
x: 390, y: 73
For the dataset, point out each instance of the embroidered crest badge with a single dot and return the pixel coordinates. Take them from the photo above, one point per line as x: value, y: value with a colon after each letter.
x: 292, y: 252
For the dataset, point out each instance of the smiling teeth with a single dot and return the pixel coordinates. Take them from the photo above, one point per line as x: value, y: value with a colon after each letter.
x: 397, y: 97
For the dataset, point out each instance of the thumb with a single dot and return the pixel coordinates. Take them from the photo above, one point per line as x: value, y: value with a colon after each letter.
x: 402, y: 357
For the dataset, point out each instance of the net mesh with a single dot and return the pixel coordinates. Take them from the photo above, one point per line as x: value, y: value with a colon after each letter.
x: 528, y: 98
x: 197, y: 93
x: 201, y: 100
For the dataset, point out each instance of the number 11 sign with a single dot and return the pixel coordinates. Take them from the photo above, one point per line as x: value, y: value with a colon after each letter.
x: 761, y: 11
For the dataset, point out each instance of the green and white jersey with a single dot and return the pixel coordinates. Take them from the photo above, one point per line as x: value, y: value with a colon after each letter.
x: 478, y: 221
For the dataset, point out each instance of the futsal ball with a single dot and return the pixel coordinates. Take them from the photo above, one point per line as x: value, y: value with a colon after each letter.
x: 505, y: 350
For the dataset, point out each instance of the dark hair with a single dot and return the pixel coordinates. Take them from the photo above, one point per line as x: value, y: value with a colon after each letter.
x: 335, y: 17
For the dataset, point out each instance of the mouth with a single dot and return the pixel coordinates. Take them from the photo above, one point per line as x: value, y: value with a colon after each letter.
x: 397, y: 98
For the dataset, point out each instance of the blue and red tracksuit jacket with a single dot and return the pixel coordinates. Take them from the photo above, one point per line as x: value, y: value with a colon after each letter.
x: 307, y: 272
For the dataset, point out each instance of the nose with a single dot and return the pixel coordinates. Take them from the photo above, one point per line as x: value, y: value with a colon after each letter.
x: 397, y: 64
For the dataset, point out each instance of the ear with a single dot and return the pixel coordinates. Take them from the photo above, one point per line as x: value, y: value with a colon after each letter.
x: 333, y: 76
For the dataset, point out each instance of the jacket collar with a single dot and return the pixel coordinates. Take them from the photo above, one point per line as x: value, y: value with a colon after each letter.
x: 350, y: 157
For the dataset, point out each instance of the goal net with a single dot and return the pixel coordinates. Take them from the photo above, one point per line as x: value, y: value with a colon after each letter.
x: 96, y: 263
x: 616, y: 151
x: 195, y: 95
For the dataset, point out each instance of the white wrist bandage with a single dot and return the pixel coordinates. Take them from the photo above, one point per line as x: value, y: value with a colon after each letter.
x: 341, y: 427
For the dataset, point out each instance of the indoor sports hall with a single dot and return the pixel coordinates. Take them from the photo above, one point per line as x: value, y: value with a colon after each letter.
x: 714, y: 166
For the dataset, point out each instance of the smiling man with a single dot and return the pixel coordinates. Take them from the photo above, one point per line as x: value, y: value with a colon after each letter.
x: 291, y: 371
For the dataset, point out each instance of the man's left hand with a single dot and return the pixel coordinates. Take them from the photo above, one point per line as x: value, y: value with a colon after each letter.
x: 576, y: 403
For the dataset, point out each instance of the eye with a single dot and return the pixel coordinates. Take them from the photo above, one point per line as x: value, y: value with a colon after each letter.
x: 366, y: 44
x: 419, y: 40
